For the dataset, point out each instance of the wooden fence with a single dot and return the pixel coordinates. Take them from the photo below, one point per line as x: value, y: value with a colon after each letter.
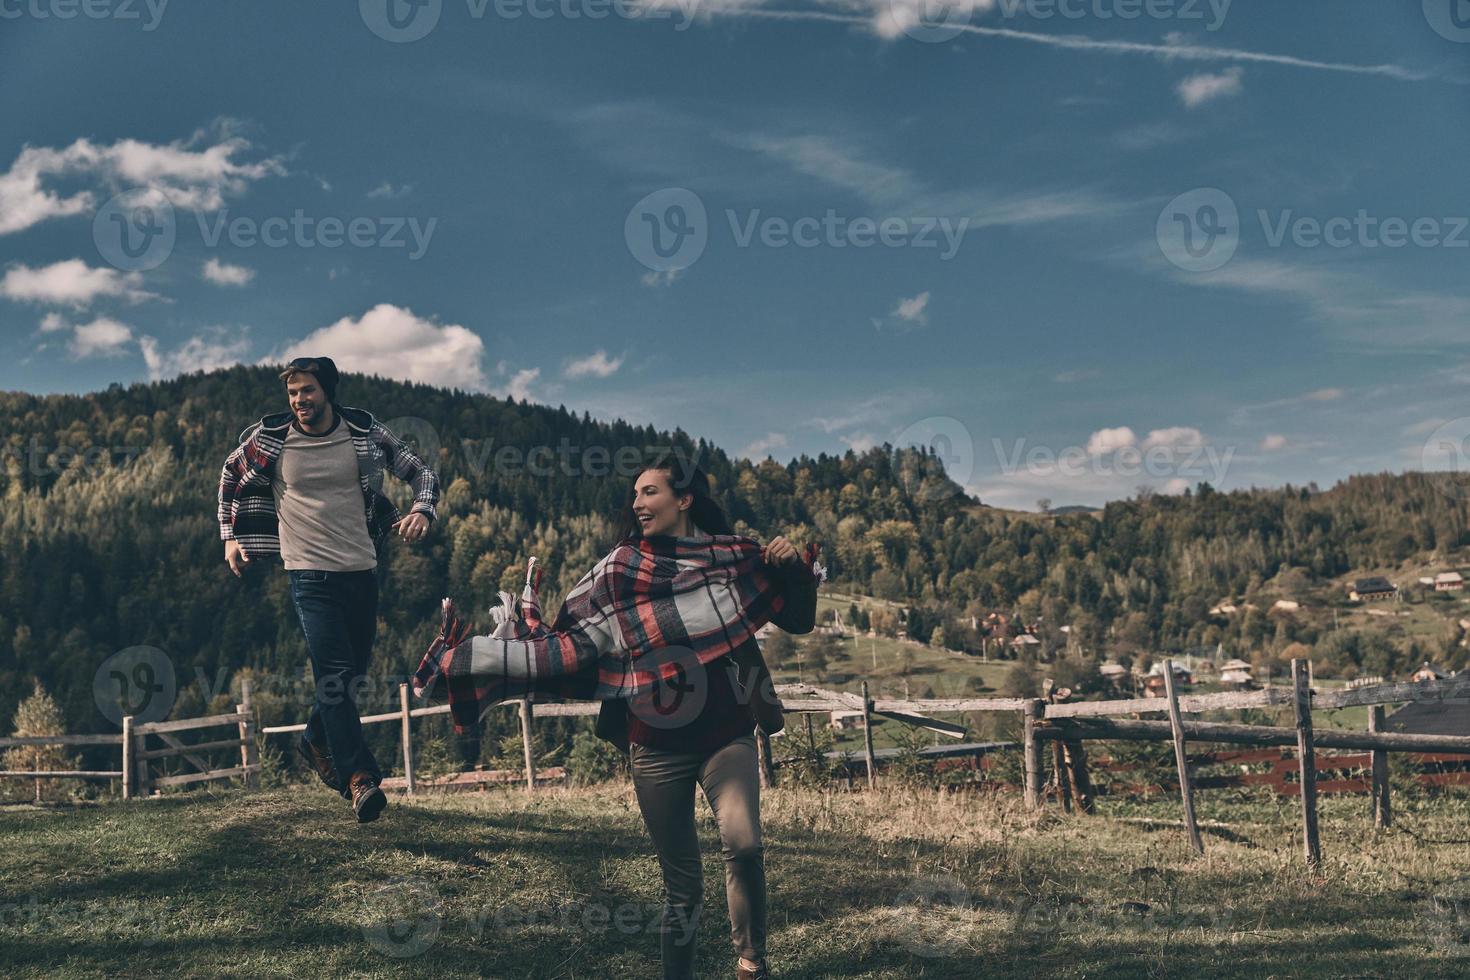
x: 1052, y: 719
x: 139, y: 760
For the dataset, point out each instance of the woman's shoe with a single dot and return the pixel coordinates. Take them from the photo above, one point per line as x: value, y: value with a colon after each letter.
x: 759, y: 973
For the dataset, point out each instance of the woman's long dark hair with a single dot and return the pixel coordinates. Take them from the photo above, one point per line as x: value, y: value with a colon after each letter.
x: 685, y: 477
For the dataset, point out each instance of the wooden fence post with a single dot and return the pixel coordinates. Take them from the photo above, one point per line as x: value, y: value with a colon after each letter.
x: 763, y: 757
x: 1081, y: 781
x: 1031, y: 714
x: 1307, y: 758
x: 406, y: 733
x: 1181, y: 760
x: 1382, y: 811
x: 249, y: 753
x: 144, y: 784
x: 526, y: 744
x: 868, y: 739
x: 127, y: 757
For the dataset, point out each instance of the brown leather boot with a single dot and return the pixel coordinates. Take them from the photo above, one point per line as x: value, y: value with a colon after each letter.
x: 759, y: 973
x: 319, y: 760
x: 367, y: 799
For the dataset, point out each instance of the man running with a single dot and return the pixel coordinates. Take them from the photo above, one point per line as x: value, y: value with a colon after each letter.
x: 306, y: 484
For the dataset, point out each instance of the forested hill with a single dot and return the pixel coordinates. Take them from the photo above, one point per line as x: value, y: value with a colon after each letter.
x: 108, y: 536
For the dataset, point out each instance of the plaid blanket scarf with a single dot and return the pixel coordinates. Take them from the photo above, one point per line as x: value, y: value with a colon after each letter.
x: 645, y: 611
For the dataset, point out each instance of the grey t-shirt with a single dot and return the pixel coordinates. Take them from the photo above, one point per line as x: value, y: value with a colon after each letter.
x: 319, y: 503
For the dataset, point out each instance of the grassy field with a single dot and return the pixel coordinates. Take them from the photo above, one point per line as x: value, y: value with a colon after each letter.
x: 894, y: 884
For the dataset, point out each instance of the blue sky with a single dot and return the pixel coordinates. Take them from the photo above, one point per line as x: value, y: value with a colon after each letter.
x: 1004, y: 224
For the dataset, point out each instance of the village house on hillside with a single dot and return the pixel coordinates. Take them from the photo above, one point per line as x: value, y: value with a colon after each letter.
x: 1428, y: 672
x: 1448, y: 582
x: 1153, y: 682
x: 1372, y: 588
x: 1235, y: 672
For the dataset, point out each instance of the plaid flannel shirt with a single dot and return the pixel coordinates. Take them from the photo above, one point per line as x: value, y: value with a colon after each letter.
x: 247, y: 505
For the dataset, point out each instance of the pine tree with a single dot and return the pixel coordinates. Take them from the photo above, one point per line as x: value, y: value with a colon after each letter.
x: 39, y: 715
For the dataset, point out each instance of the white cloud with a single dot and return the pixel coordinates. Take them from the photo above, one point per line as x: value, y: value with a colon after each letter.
x: 53, y: 322
x: 1176, y: 437
x: 597, y: 365
x: 653, y: 279
x: 393, y: 342
x: 892, y: 18
x: 24, y: 202
x: 1196, y: 90
x: 519, y: 387
x: 103, y: 337
x: 69, y: 283
x: 1072, y: 377
x: 1273, y: 442
x: 888, y: 19
x: 386, y: 191
x: 912, y: 310
x: 224, y: 274
x: 1324, y: 395
x: 1175, y: 486
x: 196, y: 173
x: 762, y: 446
x: 205, y: 352
x: 1105, y: 441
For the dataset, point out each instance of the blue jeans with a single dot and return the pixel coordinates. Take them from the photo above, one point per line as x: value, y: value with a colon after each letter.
x: 339, y: 617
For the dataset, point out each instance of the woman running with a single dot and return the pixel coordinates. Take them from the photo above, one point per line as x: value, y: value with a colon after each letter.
x: 662, y: 631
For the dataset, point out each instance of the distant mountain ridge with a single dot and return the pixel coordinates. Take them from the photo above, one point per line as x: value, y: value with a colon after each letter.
x: 108, y: 536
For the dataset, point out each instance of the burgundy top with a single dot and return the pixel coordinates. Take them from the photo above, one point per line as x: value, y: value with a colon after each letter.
x: 681, y: 720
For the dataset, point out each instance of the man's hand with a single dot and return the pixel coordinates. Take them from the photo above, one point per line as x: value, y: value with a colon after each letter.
x: 413, y: 527
x: 779, y: 551
x: 235, y: 557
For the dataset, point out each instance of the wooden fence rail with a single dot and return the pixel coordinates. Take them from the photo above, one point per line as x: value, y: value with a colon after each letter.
x: 1054, y: 719
x: 135, y: 773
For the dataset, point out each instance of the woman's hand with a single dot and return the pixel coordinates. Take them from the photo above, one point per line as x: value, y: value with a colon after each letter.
x: 779, y: 551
